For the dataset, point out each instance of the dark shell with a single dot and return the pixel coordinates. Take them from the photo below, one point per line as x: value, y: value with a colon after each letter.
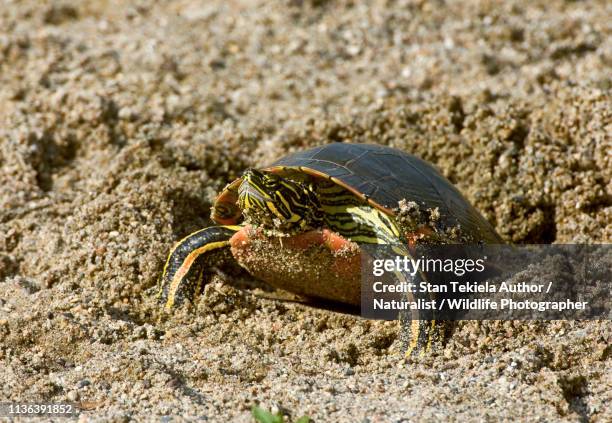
x: 385, y: 176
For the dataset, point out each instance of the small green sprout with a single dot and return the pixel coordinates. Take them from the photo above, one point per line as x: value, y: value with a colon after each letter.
x: 264, y: 416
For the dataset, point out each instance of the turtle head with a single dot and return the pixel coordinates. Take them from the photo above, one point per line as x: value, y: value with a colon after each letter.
x: 274, y: 202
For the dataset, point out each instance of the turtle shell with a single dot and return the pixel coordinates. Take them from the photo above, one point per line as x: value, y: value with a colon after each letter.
x: 383, y: 176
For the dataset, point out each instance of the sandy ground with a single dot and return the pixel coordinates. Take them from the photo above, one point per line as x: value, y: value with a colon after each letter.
x: 121, y: 123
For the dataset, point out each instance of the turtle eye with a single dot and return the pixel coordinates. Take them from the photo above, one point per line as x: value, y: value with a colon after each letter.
x: 271, y: 180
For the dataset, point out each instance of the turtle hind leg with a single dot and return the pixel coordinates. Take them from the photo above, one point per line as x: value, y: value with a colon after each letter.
x: 419, y: 336
x: 421, y: 329
x: 191, y: 262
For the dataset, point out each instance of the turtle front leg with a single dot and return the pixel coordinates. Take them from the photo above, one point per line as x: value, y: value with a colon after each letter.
x: 185, y: 272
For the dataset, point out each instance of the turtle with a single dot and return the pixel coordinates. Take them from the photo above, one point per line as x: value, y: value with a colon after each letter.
x: 300, y: 223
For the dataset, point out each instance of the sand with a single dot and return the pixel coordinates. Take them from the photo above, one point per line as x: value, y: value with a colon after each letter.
x: 120, y: 123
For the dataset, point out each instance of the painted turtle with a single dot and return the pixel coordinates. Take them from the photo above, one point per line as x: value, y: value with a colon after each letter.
x: 298, y: 224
